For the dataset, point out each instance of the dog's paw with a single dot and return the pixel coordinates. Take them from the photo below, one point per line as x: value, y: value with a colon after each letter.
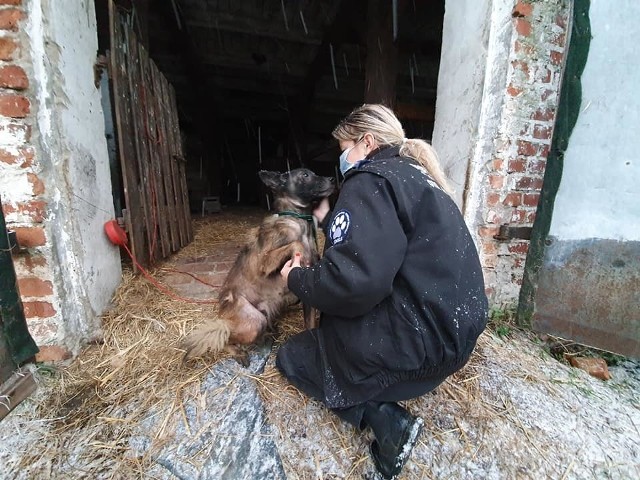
x: 240, y: 354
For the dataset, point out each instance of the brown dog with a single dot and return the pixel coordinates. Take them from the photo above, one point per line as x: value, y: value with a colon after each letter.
x: 254, y: 294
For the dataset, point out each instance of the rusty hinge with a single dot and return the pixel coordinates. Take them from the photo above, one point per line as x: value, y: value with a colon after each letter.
x: 507, y: 233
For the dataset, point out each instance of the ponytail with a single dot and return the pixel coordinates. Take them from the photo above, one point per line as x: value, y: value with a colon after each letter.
x: 426, y: 156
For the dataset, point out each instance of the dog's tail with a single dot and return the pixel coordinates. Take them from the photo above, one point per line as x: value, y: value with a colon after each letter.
x: 212, y: 337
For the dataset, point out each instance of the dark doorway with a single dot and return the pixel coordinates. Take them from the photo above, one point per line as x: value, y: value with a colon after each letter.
x: 261, y: 84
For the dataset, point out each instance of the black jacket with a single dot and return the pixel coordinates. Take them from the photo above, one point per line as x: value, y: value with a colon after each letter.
x: 400, y: 284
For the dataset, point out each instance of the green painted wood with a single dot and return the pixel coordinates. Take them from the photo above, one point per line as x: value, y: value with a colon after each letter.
x: 568, y: 111
x: 13, y: 325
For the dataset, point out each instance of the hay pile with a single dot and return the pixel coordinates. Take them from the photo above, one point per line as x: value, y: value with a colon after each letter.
x: 96, y: 403
x: 512, y: 412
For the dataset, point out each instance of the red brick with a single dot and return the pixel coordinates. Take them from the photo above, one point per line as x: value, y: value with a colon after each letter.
x: 545, y: 75
x: 529, y: 183
x: 489, y: 247
x: 14, y: 106
x: 523, y: 27
x: 559, y: 40
x: 489, y: 261
x: 520, y: 46
x: 24, y: 156
x: 518, y: 165
x: 7, y: 48
x: 52, y: 353
x: 494, y: 217
x: 531, y: 199
x: 520, y: 65
x: 8, y: 209
x: 35, y: 209
x: 526, y: 148
x: 522, y: 9
x: 543, y: 114
x: 542, y: 133
x: 488, y: 232
x: 547, y: 94
x: 9, y: 19
x: 519, y: 247
x: 513, y: 91
x: 30, y: 236
x: 537, y: 166
x: 38, y: 310
x: 7, y: 157
x: 21, y: 132
x: 518, y: 216
x: 13, y: 77
x: 10, y: 2
x: 493, y: 199
x: 36, y: 184
x: 561, y: 21
x: 497, y: 164
x: 29, y: 262
x: 531, y: 217
x: 512, y: 199
x: 496, y: 181
x: 544, y: 151
x: 556, y: 57
x: 34, y: 287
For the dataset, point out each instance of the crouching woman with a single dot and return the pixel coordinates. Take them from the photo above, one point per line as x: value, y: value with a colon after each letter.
x: 400, y: 287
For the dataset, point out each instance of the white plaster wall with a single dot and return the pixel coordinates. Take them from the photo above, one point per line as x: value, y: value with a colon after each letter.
x: 73, y: 147
x: 460, y: 85
x: 599, y: 195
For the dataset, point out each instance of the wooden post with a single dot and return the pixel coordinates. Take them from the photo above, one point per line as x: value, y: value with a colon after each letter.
x: 382, y: 55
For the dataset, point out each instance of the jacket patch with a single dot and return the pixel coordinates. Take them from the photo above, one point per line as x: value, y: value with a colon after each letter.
x: 339, y: 227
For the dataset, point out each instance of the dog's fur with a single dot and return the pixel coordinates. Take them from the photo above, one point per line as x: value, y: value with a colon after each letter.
x: 254, y: 293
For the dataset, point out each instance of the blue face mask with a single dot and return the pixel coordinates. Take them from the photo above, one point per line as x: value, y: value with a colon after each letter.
x: 345, y: 165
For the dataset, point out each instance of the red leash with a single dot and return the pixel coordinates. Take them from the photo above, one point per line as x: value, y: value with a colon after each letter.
x: 118, y: 237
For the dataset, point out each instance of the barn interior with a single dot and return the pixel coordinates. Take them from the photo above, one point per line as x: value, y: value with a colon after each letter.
x: 260, y: 84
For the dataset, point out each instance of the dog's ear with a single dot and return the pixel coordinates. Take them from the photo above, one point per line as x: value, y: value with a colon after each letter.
x: 273, y: 180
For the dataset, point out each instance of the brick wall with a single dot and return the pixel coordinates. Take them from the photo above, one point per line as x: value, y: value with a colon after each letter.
x: 515, y: 173
x: 22, y: 187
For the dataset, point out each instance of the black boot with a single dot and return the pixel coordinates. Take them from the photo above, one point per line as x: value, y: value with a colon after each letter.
x: 396, y: 432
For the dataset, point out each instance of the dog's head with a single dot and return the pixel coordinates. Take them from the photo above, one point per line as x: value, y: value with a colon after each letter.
x: 300, y: 186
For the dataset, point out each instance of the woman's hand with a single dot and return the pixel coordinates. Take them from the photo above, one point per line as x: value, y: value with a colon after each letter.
x: 320, y: 212
x: 290, y: 265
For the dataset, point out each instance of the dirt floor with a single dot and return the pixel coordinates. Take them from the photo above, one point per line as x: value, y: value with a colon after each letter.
x: 128, y: 407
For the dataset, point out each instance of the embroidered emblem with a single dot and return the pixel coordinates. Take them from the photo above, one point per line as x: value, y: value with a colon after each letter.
x: 339, y: 227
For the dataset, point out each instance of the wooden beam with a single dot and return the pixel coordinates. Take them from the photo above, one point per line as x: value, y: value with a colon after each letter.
x: 226, y: 22
x: 382, y: 55
x: 17, y: 388
x: 415, y: 111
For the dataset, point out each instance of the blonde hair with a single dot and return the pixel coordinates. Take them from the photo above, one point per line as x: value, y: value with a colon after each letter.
x: 387, y: 130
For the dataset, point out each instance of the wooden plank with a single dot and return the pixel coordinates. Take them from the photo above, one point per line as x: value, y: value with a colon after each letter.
x: 175, y: 171
x: 146, y: 213
x: 122, y: 107
x: 182, y: 163
x: 161, y: 113
x: 17, y: 388
x: 152, y: 132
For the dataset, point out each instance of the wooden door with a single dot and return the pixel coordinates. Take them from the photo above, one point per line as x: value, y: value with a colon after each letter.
x: 157, y: 216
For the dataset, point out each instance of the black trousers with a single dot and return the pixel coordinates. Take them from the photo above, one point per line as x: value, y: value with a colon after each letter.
x: 299, y: 360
